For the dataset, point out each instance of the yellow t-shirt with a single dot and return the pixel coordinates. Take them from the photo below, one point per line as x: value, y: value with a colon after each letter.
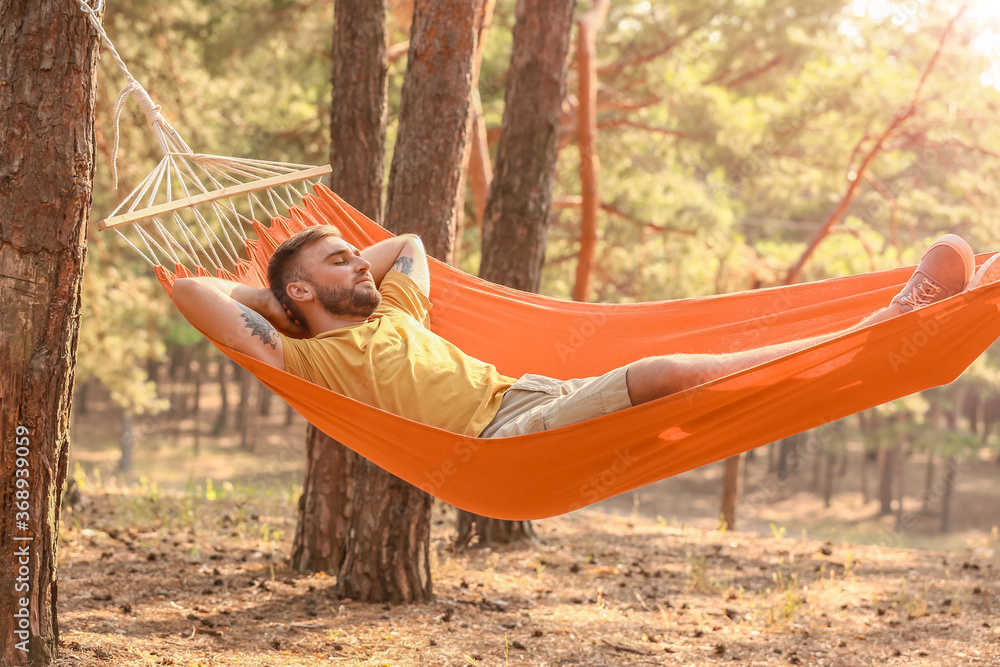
x: 397, y: 364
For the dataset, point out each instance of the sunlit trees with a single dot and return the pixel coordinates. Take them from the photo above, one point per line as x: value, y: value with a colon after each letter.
x: 47, y: 140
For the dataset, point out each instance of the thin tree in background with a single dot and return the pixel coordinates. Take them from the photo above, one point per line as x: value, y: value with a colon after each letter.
x: 730, y: 490
x: 515, y: 221
x: 47, y: 83
x: 586, y: 140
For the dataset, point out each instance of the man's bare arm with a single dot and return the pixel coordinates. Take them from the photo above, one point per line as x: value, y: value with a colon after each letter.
x: 237, y: 316
x: 404, y: 254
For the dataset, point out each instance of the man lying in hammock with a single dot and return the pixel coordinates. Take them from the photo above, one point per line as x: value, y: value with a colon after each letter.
x: 356, y: 322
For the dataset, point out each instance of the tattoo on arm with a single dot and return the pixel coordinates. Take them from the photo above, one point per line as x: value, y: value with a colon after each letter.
x: 404, y: 265
x: 260, y: 327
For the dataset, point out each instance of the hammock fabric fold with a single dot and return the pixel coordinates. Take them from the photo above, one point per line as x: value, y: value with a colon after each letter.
x: 553, y: 472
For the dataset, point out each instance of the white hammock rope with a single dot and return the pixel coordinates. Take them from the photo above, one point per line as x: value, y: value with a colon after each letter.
x: 192, y: 205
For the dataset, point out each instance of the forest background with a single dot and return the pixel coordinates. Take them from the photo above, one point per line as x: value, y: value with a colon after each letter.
x: 730, y: 138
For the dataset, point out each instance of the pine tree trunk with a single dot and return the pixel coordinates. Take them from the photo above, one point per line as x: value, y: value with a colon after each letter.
x: 222, y: 421
x: 817, y: 469
x: 199, y: 380
x: 47, y: 79
x: 950, y: 475
x: 426, y: 169
x: 788, y: 447
x: 476, y: 530
x: 359, y: 107
x: 247, y: 415
x: 831, y: 461
x: 80, y: 404
x: 264, y: 402
x: 369, y: 528
x: 928, y: 482
x: 730, y: 491
x: 515, y: 222
x: 126, y: 443
x: 886, y: 467
x: 865, y: 466
x: 586, y: 140
x: 747, y: 460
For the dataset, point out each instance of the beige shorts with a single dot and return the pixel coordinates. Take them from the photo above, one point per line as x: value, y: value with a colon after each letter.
x: 538, y: 403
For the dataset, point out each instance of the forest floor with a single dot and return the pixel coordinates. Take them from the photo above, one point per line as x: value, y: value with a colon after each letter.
x: 173, y: 567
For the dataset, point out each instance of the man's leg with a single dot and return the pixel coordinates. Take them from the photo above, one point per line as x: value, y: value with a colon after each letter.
x: 944, y: 271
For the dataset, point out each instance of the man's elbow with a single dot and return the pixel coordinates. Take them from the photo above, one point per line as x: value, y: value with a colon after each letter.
x: 187, y: 294
x: 415, y: 243
x: 182, y: 290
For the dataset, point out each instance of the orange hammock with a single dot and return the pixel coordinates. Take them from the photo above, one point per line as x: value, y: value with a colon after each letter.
x: 553, y: 472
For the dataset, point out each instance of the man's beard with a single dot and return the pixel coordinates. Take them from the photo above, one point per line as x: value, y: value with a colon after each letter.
x: 348, y: 302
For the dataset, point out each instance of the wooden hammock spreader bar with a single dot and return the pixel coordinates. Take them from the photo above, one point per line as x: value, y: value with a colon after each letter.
x: 231, y: 191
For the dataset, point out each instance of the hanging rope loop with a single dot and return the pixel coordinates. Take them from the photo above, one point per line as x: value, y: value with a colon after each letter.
x: 165, y: 134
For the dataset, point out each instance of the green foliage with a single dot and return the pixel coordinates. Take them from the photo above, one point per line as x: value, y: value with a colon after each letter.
x: 119, y: 332
x: 728, y: 132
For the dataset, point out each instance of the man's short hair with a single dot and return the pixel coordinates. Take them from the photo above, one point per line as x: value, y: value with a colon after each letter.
x: 285, y: 265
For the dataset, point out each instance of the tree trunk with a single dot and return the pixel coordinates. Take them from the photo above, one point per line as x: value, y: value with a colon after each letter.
x: 586, y: 139
x: 80, y: 404
x: 247, y: 413
x: 751, y: 455
x: 476, y: 530
x: 950, y: 475
x: 788, y: 447
x: 222, y: 421
x: 886, y: 466
x: 199, y: 380
x: 358, y: 111
x: 264, y: 402
x: 476, y: 147
x: 426, y: 167
x: 831, y: 462
x: 730, y: 491
x: 47, y: 81
x: 480, y: 167
x: 357, y: 521
x: 126, y: 443
x: 515, y: 222
x: 928, y: 482
x: 817, y: 468
x: 865, y: 466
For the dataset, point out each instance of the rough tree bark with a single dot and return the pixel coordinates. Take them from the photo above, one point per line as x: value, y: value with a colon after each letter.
x: 357, y: 521
x: 476, y: 167
x: 47, y: 91
x: 515, y: 221
x: 424, y: 179
x: 358, y: 111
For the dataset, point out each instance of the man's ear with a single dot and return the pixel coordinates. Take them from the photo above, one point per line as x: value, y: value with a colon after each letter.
x: 300, y: 291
